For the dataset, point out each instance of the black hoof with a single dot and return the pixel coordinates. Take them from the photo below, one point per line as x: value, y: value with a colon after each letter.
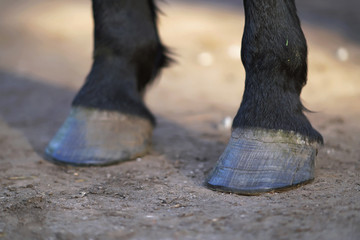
x: 260, y: 160
x: 92, y: 137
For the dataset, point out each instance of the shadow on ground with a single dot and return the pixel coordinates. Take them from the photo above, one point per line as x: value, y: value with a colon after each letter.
x: 38, y: 110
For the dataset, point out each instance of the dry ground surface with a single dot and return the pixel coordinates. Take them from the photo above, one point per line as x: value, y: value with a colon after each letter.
x: 45, y: 53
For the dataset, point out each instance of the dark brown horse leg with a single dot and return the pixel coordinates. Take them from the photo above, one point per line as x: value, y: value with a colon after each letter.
x: 272, y: 145
x: 109, y: 121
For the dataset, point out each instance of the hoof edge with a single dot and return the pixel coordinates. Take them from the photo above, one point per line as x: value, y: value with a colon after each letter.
x: 91, y: 137
x: 260, y: 160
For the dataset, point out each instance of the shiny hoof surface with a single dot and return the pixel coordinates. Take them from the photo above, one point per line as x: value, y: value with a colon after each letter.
x: 91, y: 137
x: 261, y: 160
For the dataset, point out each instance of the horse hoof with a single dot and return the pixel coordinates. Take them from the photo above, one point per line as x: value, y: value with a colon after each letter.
x: 93, y: 137
x: 261, y: 160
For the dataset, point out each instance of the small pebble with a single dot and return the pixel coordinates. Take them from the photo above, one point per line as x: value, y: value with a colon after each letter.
x: 234, y: 52
x: 226, y: 123
x: 82, y: 194
x: 342, y: 54
x: 205, y: 59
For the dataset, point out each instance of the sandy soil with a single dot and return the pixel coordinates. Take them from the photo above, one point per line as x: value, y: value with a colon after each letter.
x: 45, y: 53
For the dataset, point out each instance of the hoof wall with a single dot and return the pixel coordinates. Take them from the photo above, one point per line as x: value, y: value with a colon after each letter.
x: 261, y: 160
x: 92, y: 137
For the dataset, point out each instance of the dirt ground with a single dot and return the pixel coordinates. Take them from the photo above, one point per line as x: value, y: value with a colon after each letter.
x: 45, y: 54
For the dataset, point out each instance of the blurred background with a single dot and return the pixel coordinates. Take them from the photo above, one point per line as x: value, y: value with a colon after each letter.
x: 46, y: 48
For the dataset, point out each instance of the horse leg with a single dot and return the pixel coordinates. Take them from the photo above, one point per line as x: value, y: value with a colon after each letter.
x: 272, y: 145
x: 109, y: 121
